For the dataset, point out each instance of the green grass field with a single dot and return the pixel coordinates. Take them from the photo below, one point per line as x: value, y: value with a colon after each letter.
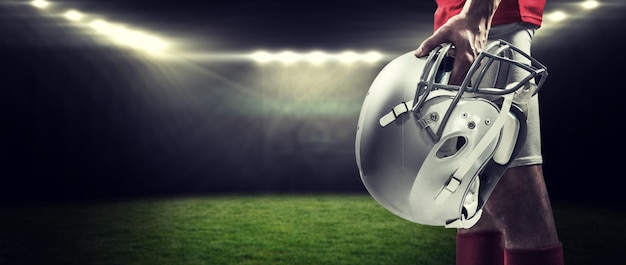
x: 268, y: 229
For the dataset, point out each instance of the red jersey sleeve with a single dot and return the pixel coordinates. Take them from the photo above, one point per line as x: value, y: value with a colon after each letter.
x: 509, y: 11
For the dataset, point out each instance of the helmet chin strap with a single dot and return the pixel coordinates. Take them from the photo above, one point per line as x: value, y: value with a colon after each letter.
x: 464, y: 169
x: 463, y: 222
x: 470, y: 205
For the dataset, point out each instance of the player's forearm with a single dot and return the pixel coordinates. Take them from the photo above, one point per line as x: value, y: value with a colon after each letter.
x: 480, y: 11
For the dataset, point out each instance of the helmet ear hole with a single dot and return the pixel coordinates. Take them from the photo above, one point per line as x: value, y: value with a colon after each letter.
x: 461, y: 141
x: 451, y: 146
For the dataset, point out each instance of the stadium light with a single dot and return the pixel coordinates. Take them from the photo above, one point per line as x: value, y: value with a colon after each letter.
x: 118, y: 33
x: 348, y: 57
x: 143, y: 41
x: 316, y: 57
x: 372, y: 57
x: 128, y: 37
x: 287, y: 57
x: 590, y: 4
x: 73, y: 15
x: 557, y: 16
x: 261, y: 57
x: 40, y: 3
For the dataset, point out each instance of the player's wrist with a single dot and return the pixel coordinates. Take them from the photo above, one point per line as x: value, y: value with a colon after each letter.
x: 463, y: 22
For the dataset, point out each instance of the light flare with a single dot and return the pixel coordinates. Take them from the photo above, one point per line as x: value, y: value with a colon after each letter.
x: 590, y: 4
x: 73, y: 15
x: 557, y: 16
x: 40, y: 4
x: 132, y: 38
x: 316, y: 57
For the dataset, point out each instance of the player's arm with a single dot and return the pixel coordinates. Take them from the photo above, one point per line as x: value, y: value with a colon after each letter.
x: 467, y: 31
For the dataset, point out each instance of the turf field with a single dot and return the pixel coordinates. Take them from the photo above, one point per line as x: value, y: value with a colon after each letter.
x: 263, y: 229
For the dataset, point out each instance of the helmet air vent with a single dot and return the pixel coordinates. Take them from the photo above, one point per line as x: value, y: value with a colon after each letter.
x: 451, y: 146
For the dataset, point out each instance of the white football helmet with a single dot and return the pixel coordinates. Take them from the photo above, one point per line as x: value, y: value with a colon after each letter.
x: 431, y: 152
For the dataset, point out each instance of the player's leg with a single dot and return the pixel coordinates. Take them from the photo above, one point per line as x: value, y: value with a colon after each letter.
x: 481, y: 244
x: 521, y: 206
x: 520, y: 201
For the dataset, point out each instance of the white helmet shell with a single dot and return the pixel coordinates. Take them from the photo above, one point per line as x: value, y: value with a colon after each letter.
x: 425, y: 150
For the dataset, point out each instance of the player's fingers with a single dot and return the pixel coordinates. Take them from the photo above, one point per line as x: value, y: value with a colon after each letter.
x: 429, y: 44
x: 462, y: 62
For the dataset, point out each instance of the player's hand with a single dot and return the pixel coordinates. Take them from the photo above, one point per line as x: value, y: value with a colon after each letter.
x: 469, y: 37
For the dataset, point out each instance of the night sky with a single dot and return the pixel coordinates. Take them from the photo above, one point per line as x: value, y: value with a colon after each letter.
x: 83, y: 119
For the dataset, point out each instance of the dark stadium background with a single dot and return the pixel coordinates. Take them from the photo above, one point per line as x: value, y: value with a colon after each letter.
x: 82, y: 120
